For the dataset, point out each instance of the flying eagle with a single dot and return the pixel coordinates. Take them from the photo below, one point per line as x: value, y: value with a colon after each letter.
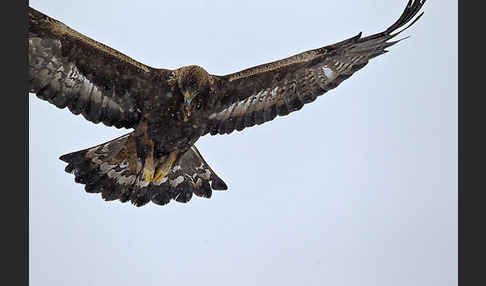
x: 169, y: 110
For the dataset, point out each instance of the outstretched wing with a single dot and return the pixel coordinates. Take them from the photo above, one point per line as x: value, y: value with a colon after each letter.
x: 259, y: 94
x: 69, y: 69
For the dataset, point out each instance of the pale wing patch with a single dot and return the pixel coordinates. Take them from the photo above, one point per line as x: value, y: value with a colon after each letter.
x: 329, y: 73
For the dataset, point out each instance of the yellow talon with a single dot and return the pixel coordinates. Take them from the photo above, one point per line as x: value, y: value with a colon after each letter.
x: 149, y: 169
x: 148, y: 175
x: 161, y: 173
x: 164, y: 169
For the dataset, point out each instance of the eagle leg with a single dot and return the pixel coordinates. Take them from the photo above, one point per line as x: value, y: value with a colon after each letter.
x: 145, y: 151
x: 164, y: 167
x: 148, y: 166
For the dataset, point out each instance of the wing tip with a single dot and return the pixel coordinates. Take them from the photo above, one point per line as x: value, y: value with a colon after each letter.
x: 410, y: 11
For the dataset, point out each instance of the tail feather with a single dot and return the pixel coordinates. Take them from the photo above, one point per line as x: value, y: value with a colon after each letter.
x: 114, y: 170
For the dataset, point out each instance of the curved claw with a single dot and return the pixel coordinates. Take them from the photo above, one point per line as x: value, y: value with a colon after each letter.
x: 164, y: 168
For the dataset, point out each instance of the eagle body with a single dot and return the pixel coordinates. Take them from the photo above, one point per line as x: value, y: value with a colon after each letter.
x: 168, y: 125
x: 169, y: 110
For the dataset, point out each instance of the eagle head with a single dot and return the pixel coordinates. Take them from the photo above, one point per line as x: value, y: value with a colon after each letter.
x: 193, y: 82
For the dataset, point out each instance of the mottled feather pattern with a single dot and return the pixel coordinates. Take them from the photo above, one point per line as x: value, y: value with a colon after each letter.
x: 62, y: 84
x: 259, y: 94
x: 108, y: 169
x: 68, y: 72
x: 170, y: 109
x: 289, y: 96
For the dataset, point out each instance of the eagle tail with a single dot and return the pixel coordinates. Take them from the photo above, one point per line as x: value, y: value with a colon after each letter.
x: 114, y: 170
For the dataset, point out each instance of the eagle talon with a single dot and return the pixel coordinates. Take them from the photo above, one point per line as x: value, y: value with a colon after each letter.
x: 149, y: 169
x: 164, y: 169
x: 148, y: 175
x: 161, y: 173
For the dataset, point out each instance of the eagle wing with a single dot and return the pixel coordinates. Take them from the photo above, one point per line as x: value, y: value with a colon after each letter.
x: 69, y: 69
x: 258, y: 94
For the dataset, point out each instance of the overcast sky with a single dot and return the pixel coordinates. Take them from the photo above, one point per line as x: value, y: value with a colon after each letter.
x: 357, y: 188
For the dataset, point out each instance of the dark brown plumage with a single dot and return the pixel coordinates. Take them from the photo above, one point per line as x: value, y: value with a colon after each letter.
x: 170, y: 110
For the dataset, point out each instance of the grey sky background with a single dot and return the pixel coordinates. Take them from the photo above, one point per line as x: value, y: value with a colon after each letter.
x: 357, y: 188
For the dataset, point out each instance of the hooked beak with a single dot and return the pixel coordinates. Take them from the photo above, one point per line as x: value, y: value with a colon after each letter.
x: 187, y: 104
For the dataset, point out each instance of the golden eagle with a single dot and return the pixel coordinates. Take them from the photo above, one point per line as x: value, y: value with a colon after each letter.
x: 169, y: 110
